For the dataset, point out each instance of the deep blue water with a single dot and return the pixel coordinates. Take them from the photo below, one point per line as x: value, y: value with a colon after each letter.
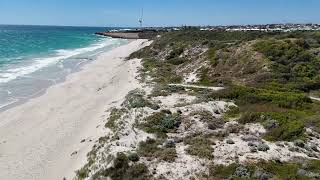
x: 32, y: 57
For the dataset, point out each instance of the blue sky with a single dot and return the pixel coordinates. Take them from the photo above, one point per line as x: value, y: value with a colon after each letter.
x: 157, y: 12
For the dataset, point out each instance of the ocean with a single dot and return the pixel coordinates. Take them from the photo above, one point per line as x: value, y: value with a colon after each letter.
x: 32, y: 58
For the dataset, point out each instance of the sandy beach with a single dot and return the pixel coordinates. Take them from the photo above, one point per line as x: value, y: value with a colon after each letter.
x: 49, y: 136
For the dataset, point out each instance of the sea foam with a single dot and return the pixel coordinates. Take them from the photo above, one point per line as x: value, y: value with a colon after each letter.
x: 37, y: 64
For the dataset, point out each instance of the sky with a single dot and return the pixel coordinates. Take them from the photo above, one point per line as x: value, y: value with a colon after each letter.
x: 157, y: 12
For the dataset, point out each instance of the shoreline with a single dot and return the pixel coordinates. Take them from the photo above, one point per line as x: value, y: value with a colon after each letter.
x: 16, y: 101
x: 39, y: 136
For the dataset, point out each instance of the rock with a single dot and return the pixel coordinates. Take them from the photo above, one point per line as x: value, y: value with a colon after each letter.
x: 234, y: 128
x: 314, y: 147
x: 299, y: 143
x: 271, y: 124
x: 302, y: 172
x: 308, y: 148
x: 251, y: 144
x: 74, y: 153
x: 280, y: 144
x: 249, y: 138
x: 154, y: 106
x: 260, y: 174
x: 230, y: 141
x: 133, y: 157
x: 263, y: 147
x: 241, y: 172
x: 310, y: 154
x: 253, y: 149
x: 170, y: 143
x: 166, y: 111
x: 82, y: 141
x: 313, y: 175
x: 213, y: 126
x: 178, y: 140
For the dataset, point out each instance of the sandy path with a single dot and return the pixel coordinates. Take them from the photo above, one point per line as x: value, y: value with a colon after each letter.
x: 198, y: 87
x: 315, y: 98
x: 37, y: 138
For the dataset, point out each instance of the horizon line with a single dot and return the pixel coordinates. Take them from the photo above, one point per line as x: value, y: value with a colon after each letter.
x: 48, y: 25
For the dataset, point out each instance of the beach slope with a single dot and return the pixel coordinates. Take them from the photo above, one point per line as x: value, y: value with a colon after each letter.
x: 48, y: 136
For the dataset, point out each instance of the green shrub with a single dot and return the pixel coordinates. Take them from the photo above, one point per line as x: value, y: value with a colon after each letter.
x: 161, y: 71
x: 177, y: 61
x: 160, y: 123
x: 199, y: 145
x: 114, y: 116
x: 83, y: 173
x: 175, y: 53
x: 248, y: 95
x: 221, y: 172
x: 271, y: 169
x: 232, y: 112
x: 136, y: 99
x: 150, y: 148
x: 212, y: 56
x: 287, y: 131
x: 134, y: 157
x: 292, y: 60
x: 285, y: 171
x: 166, y: 90
x: 249, y: 117
x: 121, y: 170
x: 167, y: 154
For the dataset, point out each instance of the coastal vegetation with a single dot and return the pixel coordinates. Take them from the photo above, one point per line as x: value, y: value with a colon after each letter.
x: 161, y: 123
x: 200, y: 145
x: 266, y: 170
x: 268, y: 79
x: 285, y: 69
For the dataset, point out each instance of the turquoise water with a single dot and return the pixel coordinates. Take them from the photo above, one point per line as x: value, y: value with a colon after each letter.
x: 35, y: 57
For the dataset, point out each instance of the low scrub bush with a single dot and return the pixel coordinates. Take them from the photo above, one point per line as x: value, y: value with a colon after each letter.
x: 249, y: 117
x: 151, y: 149
x: 211, y: 54
x: 136, y: 99
x: 199, y: 145
x: 166, y: 90
x: 122, y: 170
x: 287, y: 131
x: 247, y: 95
x: 161, y: 123
x: 114, y: 116
x: 177, y: 61
x: 176, y: 52
x: 161, y: 71
x: 266, y: 170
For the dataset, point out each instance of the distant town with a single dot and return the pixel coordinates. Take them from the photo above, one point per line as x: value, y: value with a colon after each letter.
x: 147, y: 32
x: 259, y: 27
x: 266, y: 27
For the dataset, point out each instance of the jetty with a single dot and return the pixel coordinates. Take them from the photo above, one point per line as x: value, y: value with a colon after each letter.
x: 131, y: 34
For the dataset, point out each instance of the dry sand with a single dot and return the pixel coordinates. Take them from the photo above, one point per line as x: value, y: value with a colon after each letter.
x: 38, y: 137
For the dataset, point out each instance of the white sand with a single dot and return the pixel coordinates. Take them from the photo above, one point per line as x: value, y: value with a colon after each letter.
x: 38, y: 137
x: 315, y: 98
x: 198, y: 87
